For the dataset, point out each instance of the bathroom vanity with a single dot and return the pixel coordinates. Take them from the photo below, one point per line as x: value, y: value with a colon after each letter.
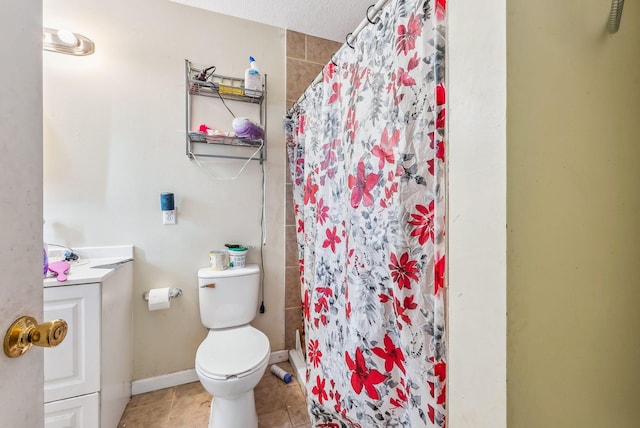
x: 87, y: 378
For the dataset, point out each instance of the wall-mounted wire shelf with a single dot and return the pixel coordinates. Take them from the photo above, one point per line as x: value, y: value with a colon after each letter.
x: 234, y: 90
x: 224, y: 88
x: 199, y: 137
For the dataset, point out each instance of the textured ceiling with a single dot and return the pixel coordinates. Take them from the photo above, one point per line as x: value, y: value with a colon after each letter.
x: 329, y: 19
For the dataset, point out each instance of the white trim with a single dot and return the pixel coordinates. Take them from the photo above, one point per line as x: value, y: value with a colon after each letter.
x: 278, y: 357
x: 169, y: 380
x: 297, y: 364
x: 155, y: 383
x: 477, y: 280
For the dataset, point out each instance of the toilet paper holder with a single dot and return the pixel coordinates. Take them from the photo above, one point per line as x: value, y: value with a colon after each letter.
x: 173, y: 293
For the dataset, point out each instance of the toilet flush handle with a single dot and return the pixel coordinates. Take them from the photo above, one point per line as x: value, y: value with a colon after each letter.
x: 212, y: 285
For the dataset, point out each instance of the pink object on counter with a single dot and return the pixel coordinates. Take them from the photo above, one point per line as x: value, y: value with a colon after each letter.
x: 60, y: 269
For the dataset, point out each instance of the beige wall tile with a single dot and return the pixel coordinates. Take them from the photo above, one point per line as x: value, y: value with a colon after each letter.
x: 300, y: 74
x: 290, y: 217
x: 292, y: 288
x: 290, y: 102
x: 295, y: 45
x: 287, y: 173
x: 320, y: 50
x: 291, y: 250
x: 292, y: 322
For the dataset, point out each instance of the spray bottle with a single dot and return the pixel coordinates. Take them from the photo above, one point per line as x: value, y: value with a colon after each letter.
x: 252, y: 80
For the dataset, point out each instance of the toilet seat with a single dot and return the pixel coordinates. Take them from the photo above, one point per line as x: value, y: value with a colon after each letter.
x: 232, y: 352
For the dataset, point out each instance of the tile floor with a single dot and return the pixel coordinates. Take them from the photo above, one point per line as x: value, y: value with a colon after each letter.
x: 278, y: 405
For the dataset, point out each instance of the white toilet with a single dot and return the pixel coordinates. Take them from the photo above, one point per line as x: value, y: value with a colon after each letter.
x: 234, y: 355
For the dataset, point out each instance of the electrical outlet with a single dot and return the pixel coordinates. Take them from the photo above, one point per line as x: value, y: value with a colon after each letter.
x: 169, y: 217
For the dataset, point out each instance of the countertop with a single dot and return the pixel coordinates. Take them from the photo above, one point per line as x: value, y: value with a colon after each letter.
x: 89, y: 267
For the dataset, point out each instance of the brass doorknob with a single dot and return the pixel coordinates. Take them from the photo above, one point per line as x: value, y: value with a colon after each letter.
x: 25, y: 332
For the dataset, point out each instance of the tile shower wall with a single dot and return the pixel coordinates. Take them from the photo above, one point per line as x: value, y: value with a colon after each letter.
x: 306, y: 55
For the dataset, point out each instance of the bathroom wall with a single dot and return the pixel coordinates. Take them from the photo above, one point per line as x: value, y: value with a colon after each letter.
x: 114, y: 140
x: 306, y: 56
x: 573, y: 224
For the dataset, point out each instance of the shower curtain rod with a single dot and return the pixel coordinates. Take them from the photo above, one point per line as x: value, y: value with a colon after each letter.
x: 373, y: 10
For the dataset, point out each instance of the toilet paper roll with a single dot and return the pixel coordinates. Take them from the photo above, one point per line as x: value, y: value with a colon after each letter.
x: 159, y: 299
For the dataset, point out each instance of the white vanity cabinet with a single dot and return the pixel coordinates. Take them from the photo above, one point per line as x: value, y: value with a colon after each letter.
x: 87, y: 378
x: 72, y: 369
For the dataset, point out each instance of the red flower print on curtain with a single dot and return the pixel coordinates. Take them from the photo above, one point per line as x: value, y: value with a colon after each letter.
x: 391, y: 355
x: 423, y: 222
x: 407, y: 34
x: 384, y: 150
x: 361, y: 185
x: 403, y: 270
x: 366, y: 151
x: 310, y: 190
x: 363, y: 376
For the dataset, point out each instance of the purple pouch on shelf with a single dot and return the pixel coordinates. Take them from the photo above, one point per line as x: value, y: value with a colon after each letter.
x: 246, y: 128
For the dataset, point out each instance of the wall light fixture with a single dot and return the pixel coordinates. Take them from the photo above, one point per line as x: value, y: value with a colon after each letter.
x: 66, y: 42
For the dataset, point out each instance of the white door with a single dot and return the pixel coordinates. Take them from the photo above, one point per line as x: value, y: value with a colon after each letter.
x: 21, y: 379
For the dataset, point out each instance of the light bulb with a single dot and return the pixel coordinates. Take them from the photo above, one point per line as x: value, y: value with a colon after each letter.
x: 67, y: 37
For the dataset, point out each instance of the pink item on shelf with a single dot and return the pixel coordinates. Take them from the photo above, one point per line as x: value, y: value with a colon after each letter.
x: 60, y: 269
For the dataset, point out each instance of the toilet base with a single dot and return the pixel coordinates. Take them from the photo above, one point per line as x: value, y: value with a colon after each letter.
x: 235, y: 412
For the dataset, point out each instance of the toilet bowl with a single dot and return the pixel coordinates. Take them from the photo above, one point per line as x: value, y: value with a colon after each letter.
x: 229, y: 364
x: 233, y: 357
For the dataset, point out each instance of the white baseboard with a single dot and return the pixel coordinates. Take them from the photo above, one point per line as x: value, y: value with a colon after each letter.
x: 169, y: 380
x: 155, y: 383
x: 278, y: 357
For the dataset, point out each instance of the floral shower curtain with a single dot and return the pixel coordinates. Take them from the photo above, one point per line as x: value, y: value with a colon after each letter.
x: 366, y: 154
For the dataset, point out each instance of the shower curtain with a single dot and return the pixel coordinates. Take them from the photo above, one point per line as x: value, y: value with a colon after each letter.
x: 366, y: 150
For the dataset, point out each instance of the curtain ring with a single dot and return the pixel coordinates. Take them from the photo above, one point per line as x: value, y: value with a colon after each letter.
x: 346, y: 39
x: 369, y: 19
x: 333, y: 61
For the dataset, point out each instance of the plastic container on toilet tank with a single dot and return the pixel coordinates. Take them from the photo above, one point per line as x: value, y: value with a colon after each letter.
x: 237, y: 257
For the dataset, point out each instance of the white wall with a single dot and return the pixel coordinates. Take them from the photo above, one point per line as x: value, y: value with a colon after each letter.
x: 114, y: 140
x: 477, y: 214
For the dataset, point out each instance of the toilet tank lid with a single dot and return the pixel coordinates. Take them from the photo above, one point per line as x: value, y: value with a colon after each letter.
x: 249, y: 269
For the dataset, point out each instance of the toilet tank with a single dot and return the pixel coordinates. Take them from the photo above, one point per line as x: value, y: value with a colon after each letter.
x: 228, y: 298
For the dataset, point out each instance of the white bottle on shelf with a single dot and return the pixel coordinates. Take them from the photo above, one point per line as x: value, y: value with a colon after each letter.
x: 252, y: 80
